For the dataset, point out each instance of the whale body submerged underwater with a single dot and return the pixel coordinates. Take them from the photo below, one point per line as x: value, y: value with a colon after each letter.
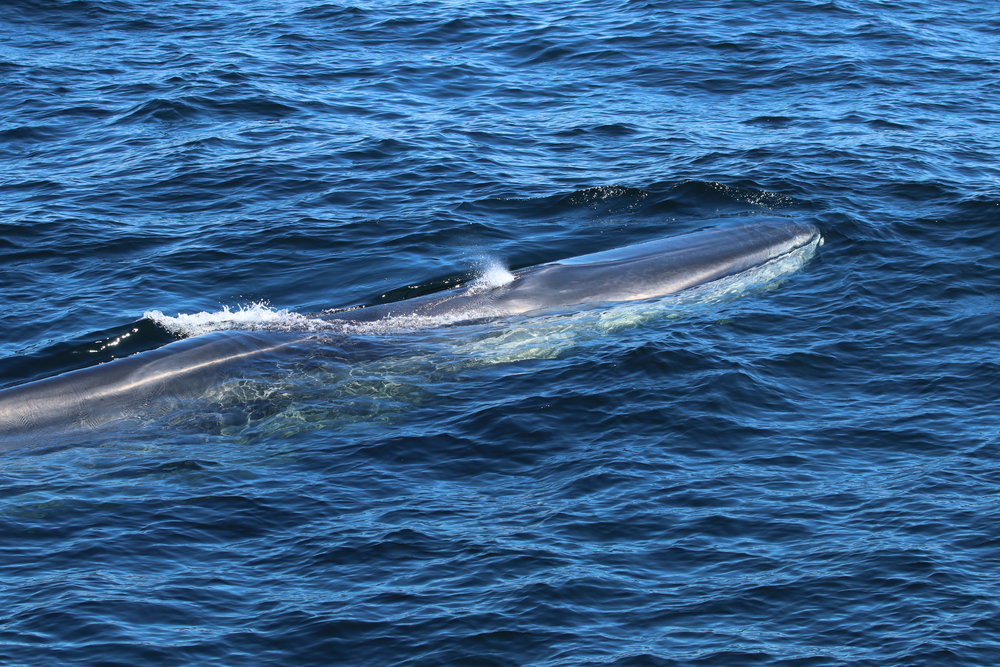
x: 128, y: 387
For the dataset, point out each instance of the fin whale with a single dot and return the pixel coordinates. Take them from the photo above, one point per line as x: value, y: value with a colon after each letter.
x: 128, y: 387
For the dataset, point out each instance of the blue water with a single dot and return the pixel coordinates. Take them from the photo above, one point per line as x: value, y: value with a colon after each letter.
x: 802, y: 472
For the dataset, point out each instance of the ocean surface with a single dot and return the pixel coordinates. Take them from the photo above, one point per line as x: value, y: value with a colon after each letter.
x: 796, y: 469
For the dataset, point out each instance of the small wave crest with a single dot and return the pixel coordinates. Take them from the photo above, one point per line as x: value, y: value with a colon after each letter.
x: 253, y: 316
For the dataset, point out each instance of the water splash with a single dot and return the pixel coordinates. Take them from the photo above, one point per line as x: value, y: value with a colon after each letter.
x: 492, y: 274
x: 245, y: 317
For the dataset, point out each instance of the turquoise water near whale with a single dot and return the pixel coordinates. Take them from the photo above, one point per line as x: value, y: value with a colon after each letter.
x: 798, y: 469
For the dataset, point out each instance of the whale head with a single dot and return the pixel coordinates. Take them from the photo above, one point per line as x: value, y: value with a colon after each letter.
x: 656, y: 268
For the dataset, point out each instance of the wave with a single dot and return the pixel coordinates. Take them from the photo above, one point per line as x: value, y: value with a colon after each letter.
x: 245, y: 317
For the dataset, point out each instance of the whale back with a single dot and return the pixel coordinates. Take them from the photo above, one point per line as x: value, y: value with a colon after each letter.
x: 642, y: 271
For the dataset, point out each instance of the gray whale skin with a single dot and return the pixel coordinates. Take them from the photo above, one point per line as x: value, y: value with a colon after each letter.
x: 128, y: 387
